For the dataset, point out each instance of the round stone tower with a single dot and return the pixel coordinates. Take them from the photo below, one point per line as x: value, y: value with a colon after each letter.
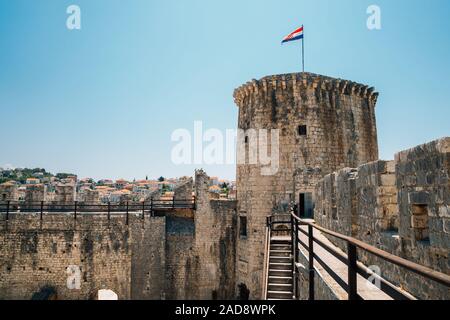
x: 323, y: 124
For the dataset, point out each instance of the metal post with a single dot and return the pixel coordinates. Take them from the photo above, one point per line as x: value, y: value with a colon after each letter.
x: 173, y: 203
x: 42, y: 210
x: 311, y: 261
x: 75, y: 211
x: 151, y: 207
x: 109, y: 210
x: 303, y: 50
x: 126, y: 222
x: 352, y: 272
x: 7, y: 210
x: 143, y: 210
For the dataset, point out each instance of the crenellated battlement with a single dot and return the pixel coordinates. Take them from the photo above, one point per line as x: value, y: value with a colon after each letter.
x: 301, y: 81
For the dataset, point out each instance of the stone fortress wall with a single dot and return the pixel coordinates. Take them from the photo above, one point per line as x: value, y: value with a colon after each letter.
x: 328, y: 159
x: 324, y: 124
x: 400, y: 206
x: 181, y: 255
x: 8, y: 192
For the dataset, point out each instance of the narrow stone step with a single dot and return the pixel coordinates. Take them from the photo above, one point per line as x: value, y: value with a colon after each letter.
x: 279, y: 266
x: 280, y: 273
x: 280, y: 242
x: 280, y: 253
x: 281, y: 287
x: 280, y: 279
x: 280, y: 259
x: 279, y: 247
x: 279, y: 295
x: 284, y: 242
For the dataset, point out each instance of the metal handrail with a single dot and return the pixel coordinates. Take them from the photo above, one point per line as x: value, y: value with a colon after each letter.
x: 266, y: 258
x: 80, y: 207
x: 354, y: 266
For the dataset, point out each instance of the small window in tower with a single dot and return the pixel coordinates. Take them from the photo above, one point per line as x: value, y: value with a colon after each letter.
x: 302, y: 130
x: 246, y: 139
x: 243, y: 226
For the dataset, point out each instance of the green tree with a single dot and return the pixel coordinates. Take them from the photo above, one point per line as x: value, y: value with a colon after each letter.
x: 165, y: 188
x: 63, y: 175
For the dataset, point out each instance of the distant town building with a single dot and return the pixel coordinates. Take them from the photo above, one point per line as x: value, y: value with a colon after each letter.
x: 33, y: 181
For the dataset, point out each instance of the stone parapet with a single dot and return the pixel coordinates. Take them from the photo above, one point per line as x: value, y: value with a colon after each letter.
x: 297, y: 81
x: 399, y: 206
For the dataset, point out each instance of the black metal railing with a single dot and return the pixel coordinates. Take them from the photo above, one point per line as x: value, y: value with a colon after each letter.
x: 79, y: 208
x: 351, y: 260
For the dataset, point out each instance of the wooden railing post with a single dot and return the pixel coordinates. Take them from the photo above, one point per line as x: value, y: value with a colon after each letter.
x: 352, y: 272
x: 143, y: 210
x: 109, y: 210
x: 42, y: 210
x: 311, y: 261
x: 151, y: 206
x: 75, y: 210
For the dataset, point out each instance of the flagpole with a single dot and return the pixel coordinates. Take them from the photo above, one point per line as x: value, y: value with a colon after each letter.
x: 303, y: 50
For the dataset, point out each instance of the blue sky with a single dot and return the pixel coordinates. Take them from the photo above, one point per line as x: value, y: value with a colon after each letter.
x: 103, y: 101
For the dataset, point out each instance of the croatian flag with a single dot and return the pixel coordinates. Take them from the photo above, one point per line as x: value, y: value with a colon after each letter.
x: 296, y: 35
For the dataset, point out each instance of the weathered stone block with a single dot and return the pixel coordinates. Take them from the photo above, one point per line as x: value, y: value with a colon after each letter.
x: 446, y: 223
x: 419, y: 197
x: 419, y: 210
x: 419, y: 222
x: 444, y: 211
x: 421, y: 234
x: 388, y: 179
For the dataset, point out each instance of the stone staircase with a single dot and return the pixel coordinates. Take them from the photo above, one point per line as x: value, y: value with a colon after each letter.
x: 280, y: 283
